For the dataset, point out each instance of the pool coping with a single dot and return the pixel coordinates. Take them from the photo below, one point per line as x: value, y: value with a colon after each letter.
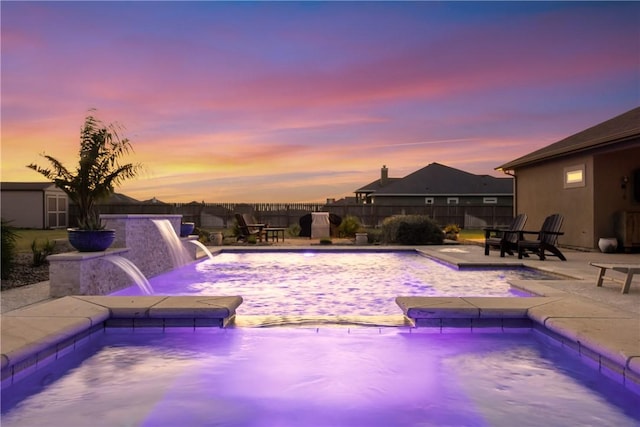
x: 607, y: 338
x: 34, y: 335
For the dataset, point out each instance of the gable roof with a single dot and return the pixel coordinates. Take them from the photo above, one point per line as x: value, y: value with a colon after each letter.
x: 119, y: 199
x: 622, y: 128
x: 27, y: 186
x: 376, y: 185
x: 437, y: 179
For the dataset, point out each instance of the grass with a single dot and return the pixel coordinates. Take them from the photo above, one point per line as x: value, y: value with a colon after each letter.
x: 26, y: 236
x: 472, y: 234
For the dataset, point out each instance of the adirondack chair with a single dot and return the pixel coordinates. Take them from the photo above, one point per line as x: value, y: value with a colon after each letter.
x: 247, y: 230
x: 547, y: 239
x: 505, y: 239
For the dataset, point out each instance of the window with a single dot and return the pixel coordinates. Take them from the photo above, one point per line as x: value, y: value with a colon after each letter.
x: 428, y: 200
x: 574, y: 176
x: 452, y: 200
x: 490, y: 200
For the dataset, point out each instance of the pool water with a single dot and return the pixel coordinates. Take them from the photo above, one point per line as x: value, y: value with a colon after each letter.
x: 318, y: 377
x: 317, y: 283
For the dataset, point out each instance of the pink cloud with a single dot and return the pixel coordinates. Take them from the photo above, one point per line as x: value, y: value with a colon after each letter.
x: 229, y: 101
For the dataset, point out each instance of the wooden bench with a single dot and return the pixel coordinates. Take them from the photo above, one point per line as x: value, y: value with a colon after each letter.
x: 628, y: 269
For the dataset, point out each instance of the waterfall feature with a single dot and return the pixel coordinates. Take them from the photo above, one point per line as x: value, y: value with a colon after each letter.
x: 203, y: 247
x: 150, y: 242
x: 132, y: 271
x: 179, y: 255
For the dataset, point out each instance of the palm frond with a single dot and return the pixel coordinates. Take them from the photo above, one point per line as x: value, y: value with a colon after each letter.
x: 98, y: 171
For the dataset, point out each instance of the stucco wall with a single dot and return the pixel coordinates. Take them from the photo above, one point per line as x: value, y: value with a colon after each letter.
x: 541, y: 192
x: 589, y: 210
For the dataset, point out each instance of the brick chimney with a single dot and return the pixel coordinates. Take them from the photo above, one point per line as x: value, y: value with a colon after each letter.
x: 384, y: 175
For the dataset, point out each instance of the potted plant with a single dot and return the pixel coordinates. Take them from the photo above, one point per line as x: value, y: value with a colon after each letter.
x: 98, y: 172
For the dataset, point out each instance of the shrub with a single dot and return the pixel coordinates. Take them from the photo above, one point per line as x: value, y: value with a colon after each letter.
x: 236, y: 230
x: 326, y: 241
x: 294, y: 230
x: 374, y: 235
x: 451, y: 231
x: 8, y: 248
x: 203, y: 235
x: 40, y: 253
x: 411, y: 230
x: 349, y: 226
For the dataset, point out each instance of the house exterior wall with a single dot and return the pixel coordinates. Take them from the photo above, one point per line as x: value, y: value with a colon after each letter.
x: 610, y: 196
x: 25, y: 209
x: 590, y: 210
x: 439, y: 200
x: 540, y: 191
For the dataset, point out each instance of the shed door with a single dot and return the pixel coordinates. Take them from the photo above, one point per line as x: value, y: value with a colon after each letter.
x: 56, y: 211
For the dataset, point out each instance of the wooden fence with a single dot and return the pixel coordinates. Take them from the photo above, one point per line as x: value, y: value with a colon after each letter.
x: 221, y: 215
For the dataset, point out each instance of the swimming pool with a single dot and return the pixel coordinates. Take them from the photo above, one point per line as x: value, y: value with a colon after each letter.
x: 321, y: 283
x: 318, y: 377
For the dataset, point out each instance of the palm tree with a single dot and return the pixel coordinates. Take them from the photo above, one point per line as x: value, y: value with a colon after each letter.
x: 99, y: 170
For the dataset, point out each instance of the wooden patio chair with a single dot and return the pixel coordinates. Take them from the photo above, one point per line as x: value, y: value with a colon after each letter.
x: 505, y: 239
x: 547, y: 239
x: 247, y: 230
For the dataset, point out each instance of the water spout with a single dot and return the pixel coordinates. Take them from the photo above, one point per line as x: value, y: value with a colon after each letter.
x: 179, y: 254
x: 132, y: 271
x: 203, y: 247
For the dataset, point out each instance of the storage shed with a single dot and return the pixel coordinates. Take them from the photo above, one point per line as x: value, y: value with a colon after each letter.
x: 38, y: 205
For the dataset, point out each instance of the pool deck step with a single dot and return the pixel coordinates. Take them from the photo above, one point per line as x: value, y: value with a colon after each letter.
x: 609, y: 337
x: 42, y: 332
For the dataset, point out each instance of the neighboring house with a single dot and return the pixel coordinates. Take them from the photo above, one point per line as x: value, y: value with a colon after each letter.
x: 592, y: 178
x: 34, y: 205
x: 437, y: 185
x: 364, y: 194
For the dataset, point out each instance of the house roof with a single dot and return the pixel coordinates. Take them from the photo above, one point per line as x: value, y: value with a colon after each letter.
x: 437, y: 179
x: 27, y: 186
x: 376, y: 185
x: 119, y: 199
x: 343, y: 201
x: 622, y: 128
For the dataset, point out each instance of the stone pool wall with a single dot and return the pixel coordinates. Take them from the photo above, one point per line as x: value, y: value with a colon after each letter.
x: 147, y: 249
x: 137, y: 239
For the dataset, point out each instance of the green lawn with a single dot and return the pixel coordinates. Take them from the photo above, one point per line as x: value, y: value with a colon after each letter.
x: 27, y: 236
x: 471, y: 234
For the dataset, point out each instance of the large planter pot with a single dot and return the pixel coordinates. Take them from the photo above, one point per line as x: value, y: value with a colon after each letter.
x: 608, y: 245
x: 362, y: 239
x: 216, y: 239
x: 186, y: 228
x: 91, y: 240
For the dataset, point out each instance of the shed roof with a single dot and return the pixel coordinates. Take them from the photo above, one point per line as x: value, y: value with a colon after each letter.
x: 27, y: 186
x: 437, y: 179
x: 622, y: 128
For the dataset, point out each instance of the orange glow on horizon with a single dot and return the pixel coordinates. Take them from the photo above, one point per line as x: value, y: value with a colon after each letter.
x: 276, y: 107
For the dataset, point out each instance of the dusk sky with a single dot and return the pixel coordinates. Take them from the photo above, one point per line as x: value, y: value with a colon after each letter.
x: 303, y: 101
